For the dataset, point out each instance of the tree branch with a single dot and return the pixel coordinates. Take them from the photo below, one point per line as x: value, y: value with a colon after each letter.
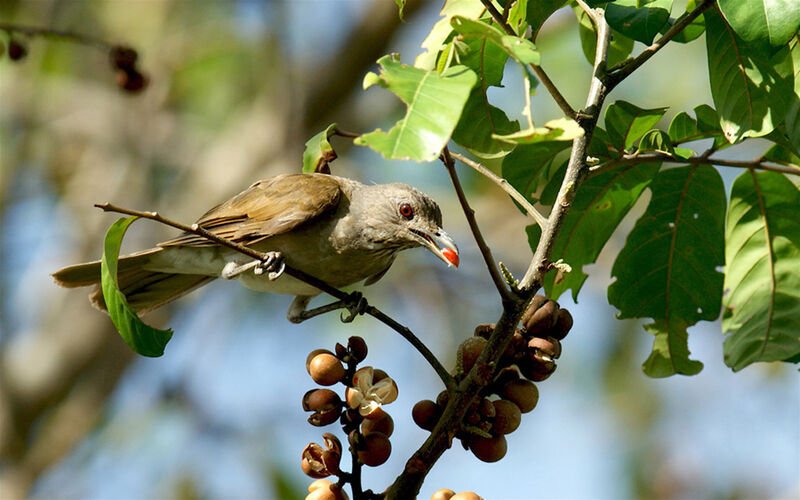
x: 373, y: 311
x: 540, y: 73
x: 624, y: 69
x: 51, y: 33
x: 635, y: 159
x: 505, y: 186
x: 486, y: 252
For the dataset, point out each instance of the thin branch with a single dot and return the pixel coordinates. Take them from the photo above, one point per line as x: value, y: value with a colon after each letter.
x: 624, y: 69
x: 486, y: 252
x: 51, y: 33
x: 540, y: 219
x: 373, y: 311
x: 540, y: 73
x: 635, y: 159
x: 593, y: 14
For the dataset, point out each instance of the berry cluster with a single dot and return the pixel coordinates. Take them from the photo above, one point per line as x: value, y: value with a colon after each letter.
x: 360, y: 412
x: 123, y: 61
x: 16, y: 49
x: 530, y: 357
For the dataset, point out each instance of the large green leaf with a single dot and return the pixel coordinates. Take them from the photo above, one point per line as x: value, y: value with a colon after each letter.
x: 749, y: 94
x: 762, y: 276
x: 522, y: 50
x: 144, y: 339
x: 434, y: 105
x: 526, y: 166
x: 485, y: 58
x: 619, y: 48
x: 479, y: 122
x: 597, y: 210
x: 639, y: 19
x: 435, y: 40
x: 763, y: 23
x: 667, y: 269
x: 787, y: 61
x: 626, y: 123
x: 319, y: 152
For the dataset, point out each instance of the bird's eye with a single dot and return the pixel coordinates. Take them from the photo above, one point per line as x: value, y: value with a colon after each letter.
x: 406, y: 210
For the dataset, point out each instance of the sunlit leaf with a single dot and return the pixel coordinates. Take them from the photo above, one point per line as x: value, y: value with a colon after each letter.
x: 598, y: 207
x: 626, y: 123
x: 435, y: 40
x: 749, y: 94
x: 763, y: 23
x: 639, y: 19
x: 667, y: 269
x: 319, y: 152
x: 479, y: 122
x: 434, y: 102
x: 520, y: 49
x: 561, y: 129
x: 144, y: 339
x: 761, y: 314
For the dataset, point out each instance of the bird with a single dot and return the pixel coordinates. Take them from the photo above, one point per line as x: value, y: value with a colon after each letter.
x: 333, y: 228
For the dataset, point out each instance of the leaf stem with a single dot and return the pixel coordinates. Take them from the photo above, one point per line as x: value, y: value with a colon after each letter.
x: 486, y: 252
x: 373, y: 311
x: 635, y: 159
x: 540, y: 219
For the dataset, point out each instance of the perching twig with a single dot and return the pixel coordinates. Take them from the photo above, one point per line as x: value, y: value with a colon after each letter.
x: 757, y: 164
x: 373, y: 311
x: 540, y: 219
x: 51, y: 33
x: 486, y: 252
x: 540, y: 73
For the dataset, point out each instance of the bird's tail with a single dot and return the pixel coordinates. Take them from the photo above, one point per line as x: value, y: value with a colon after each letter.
x: 144, y: 290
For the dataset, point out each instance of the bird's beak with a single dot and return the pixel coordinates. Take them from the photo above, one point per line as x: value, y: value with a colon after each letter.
x: 441, y: 244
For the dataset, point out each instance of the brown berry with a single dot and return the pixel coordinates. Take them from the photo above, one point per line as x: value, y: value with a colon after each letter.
x: 326, y: 369
x: 486, y: 409
x: 484, y: 331
x: 425, y: 414
x: 443, y: 494
x: 537, y: 370
x: 384, y: 425
x: 507, y: 417
x: 442, y: 398
x: 313, y: 353
x: 468, y: 352
x: 130, y: 80
x: 522, y: 393
x: 16, y: 50
x: 537, y: 302
x: 324, y: 489
x: 517, y: 345
x: 122, y: 57
x: 358, y: 347
x: 488, y: 449
x: 549, y: 346
x: 466, y: 495
x: 542, y: 319
x: 377, y: 449
x: 341, y: 351
x: 321, y: 399
x: 563, y: 325
x: 318, y: 462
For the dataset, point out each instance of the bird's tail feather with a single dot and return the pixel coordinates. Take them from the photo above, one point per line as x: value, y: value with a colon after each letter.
x: 144, y: 290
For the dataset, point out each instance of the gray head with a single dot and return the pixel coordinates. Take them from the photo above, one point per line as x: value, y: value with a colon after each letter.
x: 400, y: 217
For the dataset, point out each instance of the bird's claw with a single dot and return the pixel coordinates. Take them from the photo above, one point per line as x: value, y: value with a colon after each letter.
x: 273, y: 265
x: 356, y: 304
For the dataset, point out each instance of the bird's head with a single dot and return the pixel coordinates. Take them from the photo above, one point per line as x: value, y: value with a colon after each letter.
x: 404, y: 217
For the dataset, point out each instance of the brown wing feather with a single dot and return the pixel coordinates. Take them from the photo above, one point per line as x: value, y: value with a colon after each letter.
x: 267, y: 208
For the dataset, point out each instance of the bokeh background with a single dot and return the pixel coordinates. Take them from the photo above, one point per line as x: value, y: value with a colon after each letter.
x: 236, y: 88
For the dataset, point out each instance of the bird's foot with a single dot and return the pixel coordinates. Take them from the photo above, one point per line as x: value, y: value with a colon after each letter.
x: 356, y: 305
x: 272, y: 264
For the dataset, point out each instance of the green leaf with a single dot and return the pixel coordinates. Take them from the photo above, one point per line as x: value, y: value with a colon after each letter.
x: 144, y: 339
x: 538, y: 11
x: 435, y: 40
x: 434, y: 101
x: 639, y: 19
x: 626, y: 123
x: 486, y: 59
x: 684, y: 128
x: 619, y: 48
x: 787, y: 62
x: 599, y: 206
x: 600, y: 146
x: 762, y: 283
x: 561, y: 129
x: 523, y: 51
x: 667, y: 268
x: 764, y: 23
x: 319, y: 152
x: 748, y: 92
x: 400, y: 5
x: 692, y: 31
x: 527, y: 164
x: 479, y: 122
x: 656, y: 140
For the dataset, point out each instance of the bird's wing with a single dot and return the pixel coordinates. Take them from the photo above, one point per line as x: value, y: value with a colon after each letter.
x: 267, y: 208
x: 380, y: 274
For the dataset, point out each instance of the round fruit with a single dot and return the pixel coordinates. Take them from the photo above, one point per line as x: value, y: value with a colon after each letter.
x: 507, y: 417
x: 468, y: 352
x: 384, y: 425
x: 326, y: 369
x: 488, y: 449
x: 425, y: 414
x: 522, y: 393
x: 377, y: 449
